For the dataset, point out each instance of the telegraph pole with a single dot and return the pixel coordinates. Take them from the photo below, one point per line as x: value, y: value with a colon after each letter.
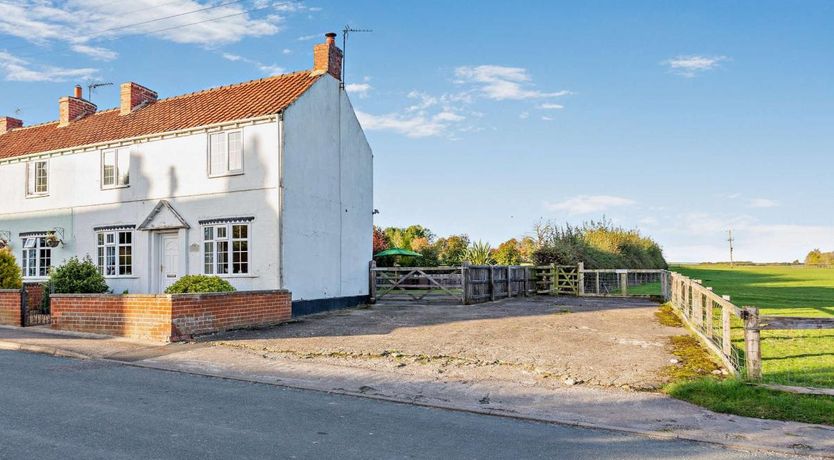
x: 731, y: 240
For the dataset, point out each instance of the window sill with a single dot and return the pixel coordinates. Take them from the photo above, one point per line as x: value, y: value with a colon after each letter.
x: 35, y: 278
x: 235, y: 276
x: 114, y: 187
x: 39, y: 195
x: 217, y: 176
x: 121, y: 277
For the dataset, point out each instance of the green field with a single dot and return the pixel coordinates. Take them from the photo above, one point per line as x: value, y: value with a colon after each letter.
x: 788, y: 357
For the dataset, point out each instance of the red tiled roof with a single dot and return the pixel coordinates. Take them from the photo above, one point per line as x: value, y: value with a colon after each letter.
x: 226, y: 103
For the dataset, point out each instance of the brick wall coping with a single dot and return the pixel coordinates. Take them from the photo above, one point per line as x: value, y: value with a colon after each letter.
x: 10, y: 290
x: 168, y: 296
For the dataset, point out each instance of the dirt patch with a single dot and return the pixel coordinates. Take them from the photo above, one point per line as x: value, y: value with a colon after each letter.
x: 541, y: 341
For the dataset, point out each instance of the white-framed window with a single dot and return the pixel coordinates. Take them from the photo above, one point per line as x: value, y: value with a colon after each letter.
x: 36, y: 258
x: 226, y: 249
x: 225, y: 153
x: 115, y: 168
x: 37, y: 178
x: 115, y: 252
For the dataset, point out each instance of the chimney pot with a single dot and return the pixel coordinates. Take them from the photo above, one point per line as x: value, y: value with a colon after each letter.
x: 327, y: 57
x: 74, y: 108
x: 8, y: 123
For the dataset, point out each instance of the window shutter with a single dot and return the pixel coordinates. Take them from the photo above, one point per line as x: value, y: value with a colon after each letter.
x: 217, y: 154
x: 235, y: 152
x: 124, y: 167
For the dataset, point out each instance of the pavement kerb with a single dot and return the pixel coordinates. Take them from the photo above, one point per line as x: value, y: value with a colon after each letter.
x: 54, y: 351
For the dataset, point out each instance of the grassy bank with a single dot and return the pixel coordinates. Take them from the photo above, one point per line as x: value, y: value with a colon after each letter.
x: 692, y: 379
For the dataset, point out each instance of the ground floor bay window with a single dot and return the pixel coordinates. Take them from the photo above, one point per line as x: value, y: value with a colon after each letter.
x: 36, y: 258
x: 226, y: 248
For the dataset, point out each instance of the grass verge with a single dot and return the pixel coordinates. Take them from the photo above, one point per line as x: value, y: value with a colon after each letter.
x: 692, y: 379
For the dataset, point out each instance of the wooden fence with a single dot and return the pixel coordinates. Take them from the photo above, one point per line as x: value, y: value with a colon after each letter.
x: 713, y: 318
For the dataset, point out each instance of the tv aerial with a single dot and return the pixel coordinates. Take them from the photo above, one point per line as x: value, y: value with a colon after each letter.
x: 345, y: 33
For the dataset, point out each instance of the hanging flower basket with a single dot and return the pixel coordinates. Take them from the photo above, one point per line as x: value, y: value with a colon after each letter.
x: 4, y: 244
x: 52, y: 240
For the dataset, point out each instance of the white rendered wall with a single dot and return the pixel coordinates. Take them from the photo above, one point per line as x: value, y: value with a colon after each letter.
x: 173, y: 169
x: 328, y: 190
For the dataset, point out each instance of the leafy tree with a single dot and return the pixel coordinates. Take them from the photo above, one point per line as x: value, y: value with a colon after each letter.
x: 508, y: 253
x: 77, y: 277
x: 452, y: 249
x: 380, y: 240
x: 10, y: 276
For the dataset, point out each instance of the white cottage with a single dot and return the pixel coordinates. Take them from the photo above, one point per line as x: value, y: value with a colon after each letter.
x: 268, y: 184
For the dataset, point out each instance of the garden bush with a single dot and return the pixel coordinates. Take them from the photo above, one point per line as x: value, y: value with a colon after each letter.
x: 10, y: 276
x: 76, y: 277
x: 195, y: 284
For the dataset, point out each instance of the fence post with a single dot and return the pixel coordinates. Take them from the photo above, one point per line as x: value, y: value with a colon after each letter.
x: 464, y: 272
x: 491, y: 282
x: 580, y: 270
x: 726, y: 331
x: 553, y: 280
x: 664, y: 286
x: 752, y: 343
x: 372, y: 281
x: 509, y: 283
x: 596, y: 277
x: 624, y: 283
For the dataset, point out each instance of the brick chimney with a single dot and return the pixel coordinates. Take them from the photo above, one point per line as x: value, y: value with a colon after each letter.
x: 135, y: 96
x: 327, y: 57
x: 73, y: 108
x: 8, y: 123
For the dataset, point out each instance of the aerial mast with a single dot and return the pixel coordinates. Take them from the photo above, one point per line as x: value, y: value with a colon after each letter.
x: 345, y: 32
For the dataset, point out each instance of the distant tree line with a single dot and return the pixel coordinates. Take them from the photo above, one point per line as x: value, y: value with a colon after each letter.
x: 817, y: 257
x: 596, y: 244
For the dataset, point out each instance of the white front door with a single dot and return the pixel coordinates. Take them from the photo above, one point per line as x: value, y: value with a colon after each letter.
x: 169, y: 257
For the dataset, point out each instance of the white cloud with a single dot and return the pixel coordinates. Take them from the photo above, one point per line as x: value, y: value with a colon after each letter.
x: 95, y: 52
x: 81, y: 24
x: 502, y: 83
x: 305, y: 38
x: 267, y: 69
x: 546, y: 118
x: 411, y: 126
x: 691, y: 66
x: 524, y: 115
x: 17, y: 69
x: 763, y: 203
x: 587, y: 204
x: 360, y: 89
x: 286, y: 51
x: 550, y: 106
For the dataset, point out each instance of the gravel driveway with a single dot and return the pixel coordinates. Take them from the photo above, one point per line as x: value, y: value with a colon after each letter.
x: 540, y: 341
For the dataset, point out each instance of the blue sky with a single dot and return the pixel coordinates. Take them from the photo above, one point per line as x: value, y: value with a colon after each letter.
x: 683, y: 119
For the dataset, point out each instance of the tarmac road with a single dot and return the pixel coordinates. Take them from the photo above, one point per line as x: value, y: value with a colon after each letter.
x: 63, y: 408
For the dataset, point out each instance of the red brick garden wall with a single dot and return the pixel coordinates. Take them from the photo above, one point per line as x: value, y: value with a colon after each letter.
x: 10, y: 307
x: 168, y: 317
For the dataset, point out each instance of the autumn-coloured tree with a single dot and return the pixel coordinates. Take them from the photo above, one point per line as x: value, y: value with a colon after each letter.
x: 380, y: 240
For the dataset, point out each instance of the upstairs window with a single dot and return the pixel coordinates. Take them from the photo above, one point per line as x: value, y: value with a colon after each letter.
x: 225, y: 153
x: 115, y: 253
x: 37, y: 257
x: 37, y: 178
x: 226, y: 249
x: 115, y: 168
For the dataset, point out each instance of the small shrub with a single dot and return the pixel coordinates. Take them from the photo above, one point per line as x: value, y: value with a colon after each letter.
x: 479, y: 253
x: 195, y: 284
x: 10, y: 276
x: 76, y: 277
